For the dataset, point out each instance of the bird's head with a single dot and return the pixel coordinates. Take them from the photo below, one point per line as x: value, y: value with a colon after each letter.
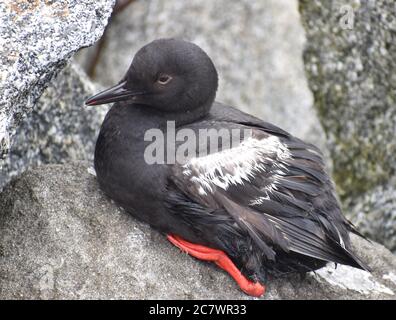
x: 169, y: 75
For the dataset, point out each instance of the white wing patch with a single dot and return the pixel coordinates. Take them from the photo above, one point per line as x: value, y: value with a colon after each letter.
x: 238, y: 165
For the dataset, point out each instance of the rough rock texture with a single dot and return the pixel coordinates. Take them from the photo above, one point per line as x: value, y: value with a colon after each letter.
x: 59, y: 128
x: 350, y: 61
x: 255, y: 45
x: 61, y: 238
x: 375, y: 214
x: 36, y: 38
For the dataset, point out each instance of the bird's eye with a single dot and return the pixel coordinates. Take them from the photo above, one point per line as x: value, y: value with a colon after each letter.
x: 164, y: 79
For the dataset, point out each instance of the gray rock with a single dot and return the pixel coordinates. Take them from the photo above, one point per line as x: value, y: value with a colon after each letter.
x: 256, y: 46
x: 59, y: 128
x: 36, y: 39
x: 374, y: 214
x: 350, y: 61
x: 61, y: 238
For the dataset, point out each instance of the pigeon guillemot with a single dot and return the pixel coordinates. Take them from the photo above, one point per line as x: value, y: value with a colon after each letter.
x: 263, y: 206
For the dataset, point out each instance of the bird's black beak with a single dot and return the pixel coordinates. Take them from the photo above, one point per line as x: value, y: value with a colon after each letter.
x: 117, y: 93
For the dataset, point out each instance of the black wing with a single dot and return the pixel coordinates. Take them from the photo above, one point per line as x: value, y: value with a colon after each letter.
x: 272, y: 188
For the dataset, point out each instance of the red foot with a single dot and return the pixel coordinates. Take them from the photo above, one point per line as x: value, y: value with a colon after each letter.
x: 221, y: 259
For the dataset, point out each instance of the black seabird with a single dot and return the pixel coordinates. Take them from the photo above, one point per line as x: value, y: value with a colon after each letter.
x: 263, y: 206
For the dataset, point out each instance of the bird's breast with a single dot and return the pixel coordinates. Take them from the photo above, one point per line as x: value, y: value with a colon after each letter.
x: 122, y: 172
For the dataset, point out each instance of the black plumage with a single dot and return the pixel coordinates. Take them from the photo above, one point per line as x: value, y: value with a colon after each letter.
x: 282, y: 217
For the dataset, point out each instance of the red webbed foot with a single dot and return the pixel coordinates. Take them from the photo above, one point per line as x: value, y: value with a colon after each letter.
x: 254, y: 289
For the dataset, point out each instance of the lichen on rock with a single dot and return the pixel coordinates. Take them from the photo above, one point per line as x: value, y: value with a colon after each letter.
x: 350, y: 65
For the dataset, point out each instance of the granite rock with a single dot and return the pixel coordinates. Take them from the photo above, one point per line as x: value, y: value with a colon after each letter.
x: 350, y: 61
x: 374, y: 214
x: 59, y: 128
x: 36, y: 39
x: 61, y: 238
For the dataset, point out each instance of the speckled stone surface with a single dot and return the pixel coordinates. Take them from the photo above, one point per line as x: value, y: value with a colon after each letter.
x: 36, y: 38
x: 61, y: 238
x: 60, y: 128
x: 351, y: 68
x: 374, y: 214
x: 255, y: 45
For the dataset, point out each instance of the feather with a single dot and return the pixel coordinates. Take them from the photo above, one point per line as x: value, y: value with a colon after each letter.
x: 277, y: 200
